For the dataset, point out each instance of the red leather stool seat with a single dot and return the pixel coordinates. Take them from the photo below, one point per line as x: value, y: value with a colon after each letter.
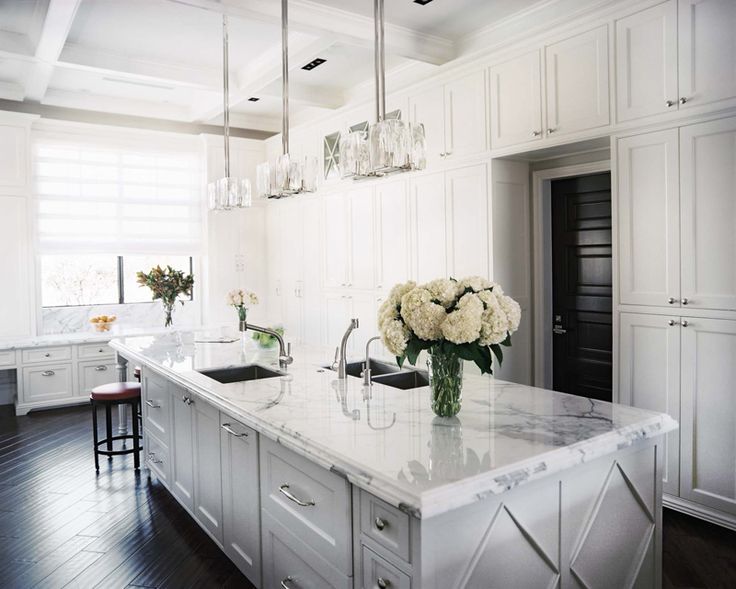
x: 116, y: 391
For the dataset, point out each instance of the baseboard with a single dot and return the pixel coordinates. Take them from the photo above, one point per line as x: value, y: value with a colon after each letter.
x: 700, y: 511
x: 25, y: 408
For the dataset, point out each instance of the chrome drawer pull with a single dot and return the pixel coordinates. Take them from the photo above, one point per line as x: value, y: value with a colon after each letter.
x: 231, y: 431
x: 152, y: 458
x: 284, y: 490
x: 284, y: 582
x: 152, y: 405
x: 48, y: 373
x: 101, y: 368
x: 383, y: 583
x: 380, y: 524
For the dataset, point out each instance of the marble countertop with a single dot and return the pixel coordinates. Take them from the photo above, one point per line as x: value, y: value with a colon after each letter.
x: 387, y: 441
x: 78, y: 337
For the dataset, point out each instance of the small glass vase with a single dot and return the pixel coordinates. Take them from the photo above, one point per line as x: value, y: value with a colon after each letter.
x: 445, y: 383
x: 169, y: 316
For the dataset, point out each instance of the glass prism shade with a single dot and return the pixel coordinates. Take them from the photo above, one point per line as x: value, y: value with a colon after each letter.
x: 229, y: 193
x: 287, y: 176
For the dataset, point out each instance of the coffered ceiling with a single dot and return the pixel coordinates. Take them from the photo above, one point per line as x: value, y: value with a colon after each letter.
x: 162, y: 58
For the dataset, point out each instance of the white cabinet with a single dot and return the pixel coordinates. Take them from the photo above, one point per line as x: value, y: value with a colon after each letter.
x: 336, y: 240
x: 516, y: 101
x: 649, y: 219
x: 708, y: 214
x: 577, y: 82
x: 429, y: 230
x: 649, y: 376
x: 309, y: 290
x: 47, y: 382
x: 13, y: 157
x: 94, y: 374
x: 467, y: 214
x: 338, y: 310
x: 182, y: 463
x: 392, y: 213
x: 241, y: 503
x: 646, y: 62
x: 428, y: 108
x: 15, y: 311
x: 292, y: 264
x: 207, y: 471
x: 707, y: 51
x: 709, y: 413
x: 156, y: 405
x: 361, y: 230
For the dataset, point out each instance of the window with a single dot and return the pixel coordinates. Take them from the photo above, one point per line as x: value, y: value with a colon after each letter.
x: 74, y: 280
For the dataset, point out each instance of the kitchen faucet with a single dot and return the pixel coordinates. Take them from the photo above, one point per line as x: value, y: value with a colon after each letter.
x: 342, y: 363
x: 284, y: 350
x: 367, y: 367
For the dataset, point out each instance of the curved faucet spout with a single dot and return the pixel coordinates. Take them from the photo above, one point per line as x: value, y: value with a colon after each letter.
x: 284, y: 350
x: 342, y: 363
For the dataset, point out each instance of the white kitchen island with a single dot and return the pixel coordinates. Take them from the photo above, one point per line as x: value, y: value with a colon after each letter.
x: 307, y: 481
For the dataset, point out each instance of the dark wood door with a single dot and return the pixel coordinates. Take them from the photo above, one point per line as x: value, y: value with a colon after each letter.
x: 582, y: 286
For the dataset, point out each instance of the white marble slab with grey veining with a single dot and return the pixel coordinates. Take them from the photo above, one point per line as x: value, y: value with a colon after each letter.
x: 68, y: 339
x: 387, y: 441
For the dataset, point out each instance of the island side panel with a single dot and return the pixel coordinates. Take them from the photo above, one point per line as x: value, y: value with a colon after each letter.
x: 594, y: 525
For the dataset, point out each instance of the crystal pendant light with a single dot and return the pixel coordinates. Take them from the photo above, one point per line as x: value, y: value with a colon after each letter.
x: 227, y: 193
x: 389, y: 145
x: 288, y: 175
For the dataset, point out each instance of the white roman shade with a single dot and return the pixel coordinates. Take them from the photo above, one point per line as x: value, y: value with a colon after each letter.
x: 135, y: 197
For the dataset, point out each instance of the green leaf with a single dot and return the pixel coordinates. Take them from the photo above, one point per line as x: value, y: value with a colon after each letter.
x: 400, y: 361
x: 498, y: 352
x: 507, y: 341
x: 484, y: 361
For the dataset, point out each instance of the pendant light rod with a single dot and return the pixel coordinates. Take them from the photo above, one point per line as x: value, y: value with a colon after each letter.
x: 226, y: 94
x: 379, y: 58
x: 285, y: 76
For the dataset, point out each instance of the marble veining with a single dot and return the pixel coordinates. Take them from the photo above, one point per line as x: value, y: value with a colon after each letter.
x: 67, y: 339
x: 388, y: 441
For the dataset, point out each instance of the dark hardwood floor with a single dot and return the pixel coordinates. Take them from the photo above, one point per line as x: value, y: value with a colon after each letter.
x: 63, y: 526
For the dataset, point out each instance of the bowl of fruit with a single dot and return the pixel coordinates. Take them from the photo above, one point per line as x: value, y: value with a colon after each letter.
x: 103, y: 322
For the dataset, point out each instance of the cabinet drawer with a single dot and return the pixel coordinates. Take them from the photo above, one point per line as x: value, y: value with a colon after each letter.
x: 156, y: 455
x: 155, y: 405
x: 291, y: 563
x: 379, y: 573
x: 94, y: 374
x: 33, y: 355
x: 46, y: 383
x: 385, y: 524
x: 311, y: 502
x: 7, y: 358
x: 89, y: 351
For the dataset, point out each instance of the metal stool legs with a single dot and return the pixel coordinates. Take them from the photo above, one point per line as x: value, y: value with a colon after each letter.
x: 110, y: 438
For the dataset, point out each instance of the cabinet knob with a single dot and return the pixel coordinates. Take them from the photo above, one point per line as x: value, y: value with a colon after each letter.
x: 670, y: 103
x: 671, y: 300
x: 536, y: 133
x: 683, y: 100
x: 550, y: 131
x: 684, y: 301
x: 47, y: 355
x: 671, y: 322
x: 684, y: 323
x: 380, y: 524
x: 383, y: 583
x: 443, y: 154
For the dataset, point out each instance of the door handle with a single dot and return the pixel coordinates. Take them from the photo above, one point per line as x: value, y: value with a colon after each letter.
x: 232, y: 432
x: 559, y: 331
x: 284, y: 490
x: 152, y: 405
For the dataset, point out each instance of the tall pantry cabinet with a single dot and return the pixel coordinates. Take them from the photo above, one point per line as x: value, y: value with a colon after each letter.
x: 677, y: 302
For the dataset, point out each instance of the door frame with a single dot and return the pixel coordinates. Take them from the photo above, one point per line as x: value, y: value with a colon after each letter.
x: 542, y: 260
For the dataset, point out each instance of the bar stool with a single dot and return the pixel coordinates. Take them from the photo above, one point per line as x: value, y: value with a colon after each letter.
x: 107, y: 395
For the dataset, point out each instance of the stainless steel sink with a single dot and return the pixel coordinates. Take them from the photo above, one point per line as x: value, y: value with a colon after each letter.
x: 406, y: 379
x: 378, y: 367
x: 240, y: 373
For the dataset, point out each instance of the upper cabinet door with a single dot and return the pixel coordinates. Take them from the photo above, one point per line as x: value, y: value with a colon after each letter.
x: 465, y: 116
x: 336, y: 209
x: 516, y: 101
x: 707, y: 41
x: 708, y: 214
x: 428, y: 108
x: 392, y: 209
x: 15, y: 312
x: 466, y: 191
x: 577, y: 82
x: 708, y: 413
x: 13, y: 158
x: 646, y: 62
x: 649, y: 219
x: 362, y: 273
x: 430, y: 232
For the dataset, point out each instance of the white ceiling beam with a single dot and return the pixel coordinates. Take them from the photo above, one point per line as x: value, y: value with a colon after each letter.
x: 347, y: 27
x: 11, y: 91
x: 55, y: 30
x: 322, y: 97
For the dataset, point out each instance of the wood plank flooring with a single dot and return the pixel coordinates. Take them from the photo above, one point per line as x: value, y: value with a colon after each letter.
x: 62, y: 526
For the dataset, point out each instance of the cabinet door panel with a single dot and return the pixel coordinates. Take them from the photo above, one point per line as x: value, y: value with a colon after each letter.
x: 94, y: 374
x: 13, y: 142
x: 649, y: 219
x: 336, y: 240
x: 392, y: 204
x: 338, y: 312
x: 430, y: 233
x: 577, y: 82
x: 646, y: 62
x: 649, y: 377
x: 362, y: 239
x: 467, y: 219
x: 182, y: 449
x: 709, y: 413
x: 428, y: 108
x: 15, y: 312
x: 310, y: 289
x: 207, y: 467
x: 465, y: 115
x: 708, y: 214
x: 292, y: 265
x: 707, y: 51
x: 47, y: 383
x: 516, y: 101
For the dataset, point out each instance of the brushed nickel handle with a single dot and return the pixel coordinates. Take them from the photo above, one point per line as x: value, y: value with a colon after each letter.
x: 383, y: 583
x: 670, y: 103
x: 48, y: 373
x: 683, y: 100
x: 152, y: 405
x: 187, y: 399
x: 671, y: 322
x: 284, y: 582
x: 443, y: 154
x: 684, y: 301
x: 152, y: 458
x: 231, y: 431
x: 284, y: 490
x: 559, y: 331
x: 550, y: 131
x: 671, y: 300
x: 380, y: 524
x: 536, y: 133
x: 448, y: 153
x: 684, y: 323
x: 101, y: 368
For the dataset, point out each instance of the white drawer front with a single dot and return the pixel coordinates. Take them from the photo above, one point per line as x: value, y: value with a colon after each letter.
x: 89, y: 351
x: 94, y: 374
x: 47, y: 383
x: 311, y: 502
x: 155, y: 405
x: 156, y: 456
x: 385, y: 524
x: 379, y: 573
x: 7, y: 358
x: 33, y: 355
x: 289, y: 562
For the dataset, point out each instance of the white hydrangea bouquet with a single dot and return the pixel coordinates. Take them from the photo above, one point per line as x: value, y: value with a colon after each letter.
x: 454, y: 320
x: 242, y: 300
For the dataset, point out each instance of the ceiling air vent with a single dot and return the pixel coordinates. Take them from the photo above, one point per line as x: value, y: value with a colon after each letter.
x: 313, y: 64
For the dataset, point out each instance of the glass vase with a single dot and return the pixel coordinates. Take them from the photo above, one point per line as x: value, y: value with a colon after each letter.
x: 445, y: 383
x: 169, y: 315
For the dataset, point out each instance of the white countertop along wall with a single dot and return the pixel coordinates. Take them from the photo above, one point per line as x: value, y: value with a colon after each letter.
x: 388, y: 441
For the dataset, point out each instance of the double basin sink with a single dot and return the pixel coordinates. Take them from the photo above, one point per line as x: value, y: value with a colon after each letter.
x: 381, y: 373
